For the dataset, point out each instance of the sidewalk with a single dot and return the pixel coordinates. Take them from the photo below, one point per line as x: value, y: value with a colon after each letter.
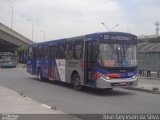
x: 21, y: 65
x: 12, y: 102
x: 148, y: 84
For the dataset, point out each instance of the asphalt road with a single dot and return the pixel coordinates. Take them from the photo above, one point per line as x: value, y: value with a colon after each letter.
x: 66, y: 99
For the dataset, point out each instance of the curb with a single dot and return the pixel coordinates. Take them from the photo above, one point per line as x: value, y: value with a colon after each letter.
x: 153, y: 78
x: 22, y: 65
x: 145, y: 90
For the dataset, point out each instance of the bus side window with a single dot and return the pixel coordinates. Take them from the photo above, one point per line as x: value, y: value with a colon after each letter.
x: 45, y: 51
x: 68, y: 50
x: 53, y: 51
x: 40, y: 51
x: 30, y: 52
x: 78, y: 49
x: 60, y: 51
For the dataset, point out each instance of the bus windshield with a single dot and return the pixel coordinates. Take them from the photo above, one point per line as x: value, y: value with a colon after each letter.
x: 117, y: 55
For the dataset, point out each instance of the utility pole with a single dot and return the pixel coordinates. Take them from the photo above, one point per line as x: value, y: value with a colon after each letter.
x: 11, y: 14
x: 157, y: 28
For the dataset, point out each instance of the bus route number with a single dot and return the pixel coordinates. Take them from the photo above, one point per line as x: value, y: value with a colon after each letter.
x: 106, y: 37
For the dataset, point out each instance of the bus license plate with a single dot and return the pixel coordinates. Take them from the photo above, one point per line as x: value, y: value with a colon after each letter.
x: 123, y: 83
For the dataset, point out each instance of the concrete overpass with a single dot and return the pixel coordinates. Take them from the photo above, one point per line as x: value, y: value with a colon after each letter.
x: 10, y: 39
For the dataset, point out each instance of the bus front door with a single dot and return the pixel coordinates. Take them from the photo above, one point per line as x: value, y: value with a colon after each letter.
x: 90, y: 62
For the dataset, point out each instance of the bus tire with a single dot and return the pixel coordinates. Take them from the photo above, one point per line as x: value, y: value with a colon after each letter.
x: 76, y: 82
x: 40, y: 77
x: 109, y: 89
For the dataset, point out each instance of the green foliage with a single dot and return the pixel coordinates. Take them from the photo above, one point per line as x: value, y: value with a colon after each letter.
x: 20, y: 49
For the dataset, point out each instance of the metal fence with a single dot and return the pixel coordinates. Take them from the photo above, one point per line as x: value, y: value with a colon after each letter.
x: 149, y: 61
x: 149, y: 56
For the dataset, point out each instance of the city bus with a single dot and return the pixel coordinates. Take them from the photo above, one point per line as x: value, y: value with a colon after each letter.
x: 8, y: 59
x: 102, y: 60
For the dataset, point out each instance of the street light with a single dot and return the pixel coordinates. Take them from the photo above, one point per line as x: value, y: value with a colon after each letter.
x: 114, y: 26
x: 105, y: 26
x: 12, y: 14
x: 43, y: 34
x: 108, y: 27
x: 32, y: 27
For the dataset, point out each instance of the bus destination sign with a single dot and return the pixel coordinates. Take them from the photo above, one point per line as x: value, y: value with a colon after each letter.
x: 118, y: 37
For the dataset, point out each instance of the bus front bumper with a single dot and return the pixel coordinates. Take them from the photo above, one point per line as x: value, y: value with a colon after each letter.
x: 112, y: 83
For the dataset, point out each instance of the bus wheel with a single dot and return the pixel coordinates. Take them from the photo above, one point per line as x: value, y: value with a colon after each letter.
x: 40, y: 78
x: 109, y: 89
x: 76, y: 82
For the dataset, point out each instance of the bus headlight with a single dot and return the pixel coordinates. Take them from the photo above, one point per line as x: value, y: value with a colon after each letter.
x: 134, y: 77
x: 102, y: 75
x: 105, y: 77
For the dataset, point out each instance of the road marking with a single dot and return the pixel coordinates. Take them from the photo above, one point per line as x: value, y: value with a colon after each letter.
x: 46, y: 106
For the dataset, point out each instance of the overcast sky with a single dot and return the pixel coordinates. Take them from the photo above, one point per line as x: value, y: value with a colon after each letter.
x: 68, y: 18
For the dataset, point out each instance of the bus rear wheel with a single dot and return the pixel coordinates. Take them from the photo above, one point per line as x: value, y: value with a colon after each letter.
x: 76, y: 82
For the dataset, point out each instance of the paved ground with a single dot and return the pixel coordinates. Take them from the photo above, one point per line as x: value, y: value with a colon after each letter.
x: 13, y: 102
x: 148, y: 84
x: 24, y: 108
x: 64, y: 98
